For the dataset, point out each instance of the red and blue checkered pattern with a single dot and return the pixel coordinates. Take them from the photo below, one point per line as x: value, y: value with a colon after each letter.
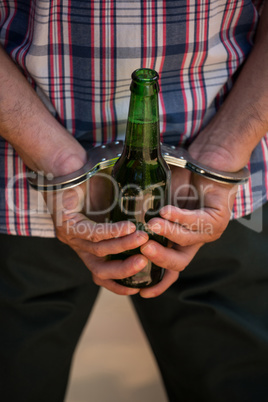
x: 79, y: 56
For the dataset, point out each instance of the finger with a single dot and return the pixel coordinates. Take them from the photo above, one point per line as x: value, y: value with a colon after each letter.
x: 117, y: 269
x: 201, y: 231
x: 111, y: 246
x: 189, y: 217
x: 168, y: 279
x: 114, y: 287
x: 175, y: 259
x: 83, y: 228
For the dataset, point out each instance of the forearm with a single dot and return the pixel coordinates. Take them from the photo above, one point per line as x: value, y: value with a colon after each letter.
x: 229, y: 139
x: 30, y: 128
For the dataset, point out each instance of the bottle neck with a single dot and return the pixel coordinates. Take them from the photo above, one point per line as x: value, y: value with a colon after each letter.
x: 142, y: 133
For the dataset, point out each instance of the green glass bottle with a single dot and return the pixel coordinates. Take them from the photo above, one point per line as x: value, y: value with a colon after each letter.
x: 141, y: 173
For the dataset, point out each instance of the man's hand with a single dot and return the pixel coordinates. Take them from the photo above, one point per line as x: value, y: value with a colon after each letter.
x: 93, y: 241
x: 200, y: 214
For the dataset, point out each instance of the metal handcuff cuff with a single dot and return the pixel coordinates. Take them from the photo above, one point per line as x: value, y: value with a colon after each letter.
x: 105, y: 156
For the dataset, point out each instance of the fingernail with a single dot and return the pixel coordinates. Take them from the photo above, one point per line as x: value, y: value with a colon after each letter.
x: 148, y: 295
x: 141, y: 236
x: 130, y: 228
x: 131, y: 292
x: 149, y: 249
x: 139, y: 263
x: 155, y: 227
x: 165, y: 211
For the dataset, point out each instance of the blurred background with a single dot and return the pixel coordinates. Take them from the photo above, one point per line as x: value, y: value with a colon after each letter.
x: 113, y: 361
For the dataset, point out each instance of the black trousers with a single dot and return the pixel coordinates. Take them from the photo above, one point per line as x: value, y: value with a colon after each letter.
x: 46, y: 295
x: 209, y: 331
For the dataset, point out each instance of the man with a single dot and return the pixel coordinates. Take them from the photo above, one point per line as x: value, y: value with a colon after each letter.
x: 208, y: 328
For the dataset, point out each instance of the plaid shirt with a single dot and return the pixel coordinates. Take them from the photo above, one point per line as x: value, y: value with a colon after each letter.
x: 79, y: 56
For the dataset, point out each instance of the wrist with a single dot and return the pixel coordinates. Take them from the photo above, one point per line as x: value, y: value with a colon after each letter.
x: 220, y: 150
x: 58, y: 163
x: 215, y: 156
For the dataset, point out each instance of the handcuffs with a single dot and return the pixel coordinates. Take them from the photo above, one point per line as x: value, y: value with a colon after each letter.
x: 105, y: 156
